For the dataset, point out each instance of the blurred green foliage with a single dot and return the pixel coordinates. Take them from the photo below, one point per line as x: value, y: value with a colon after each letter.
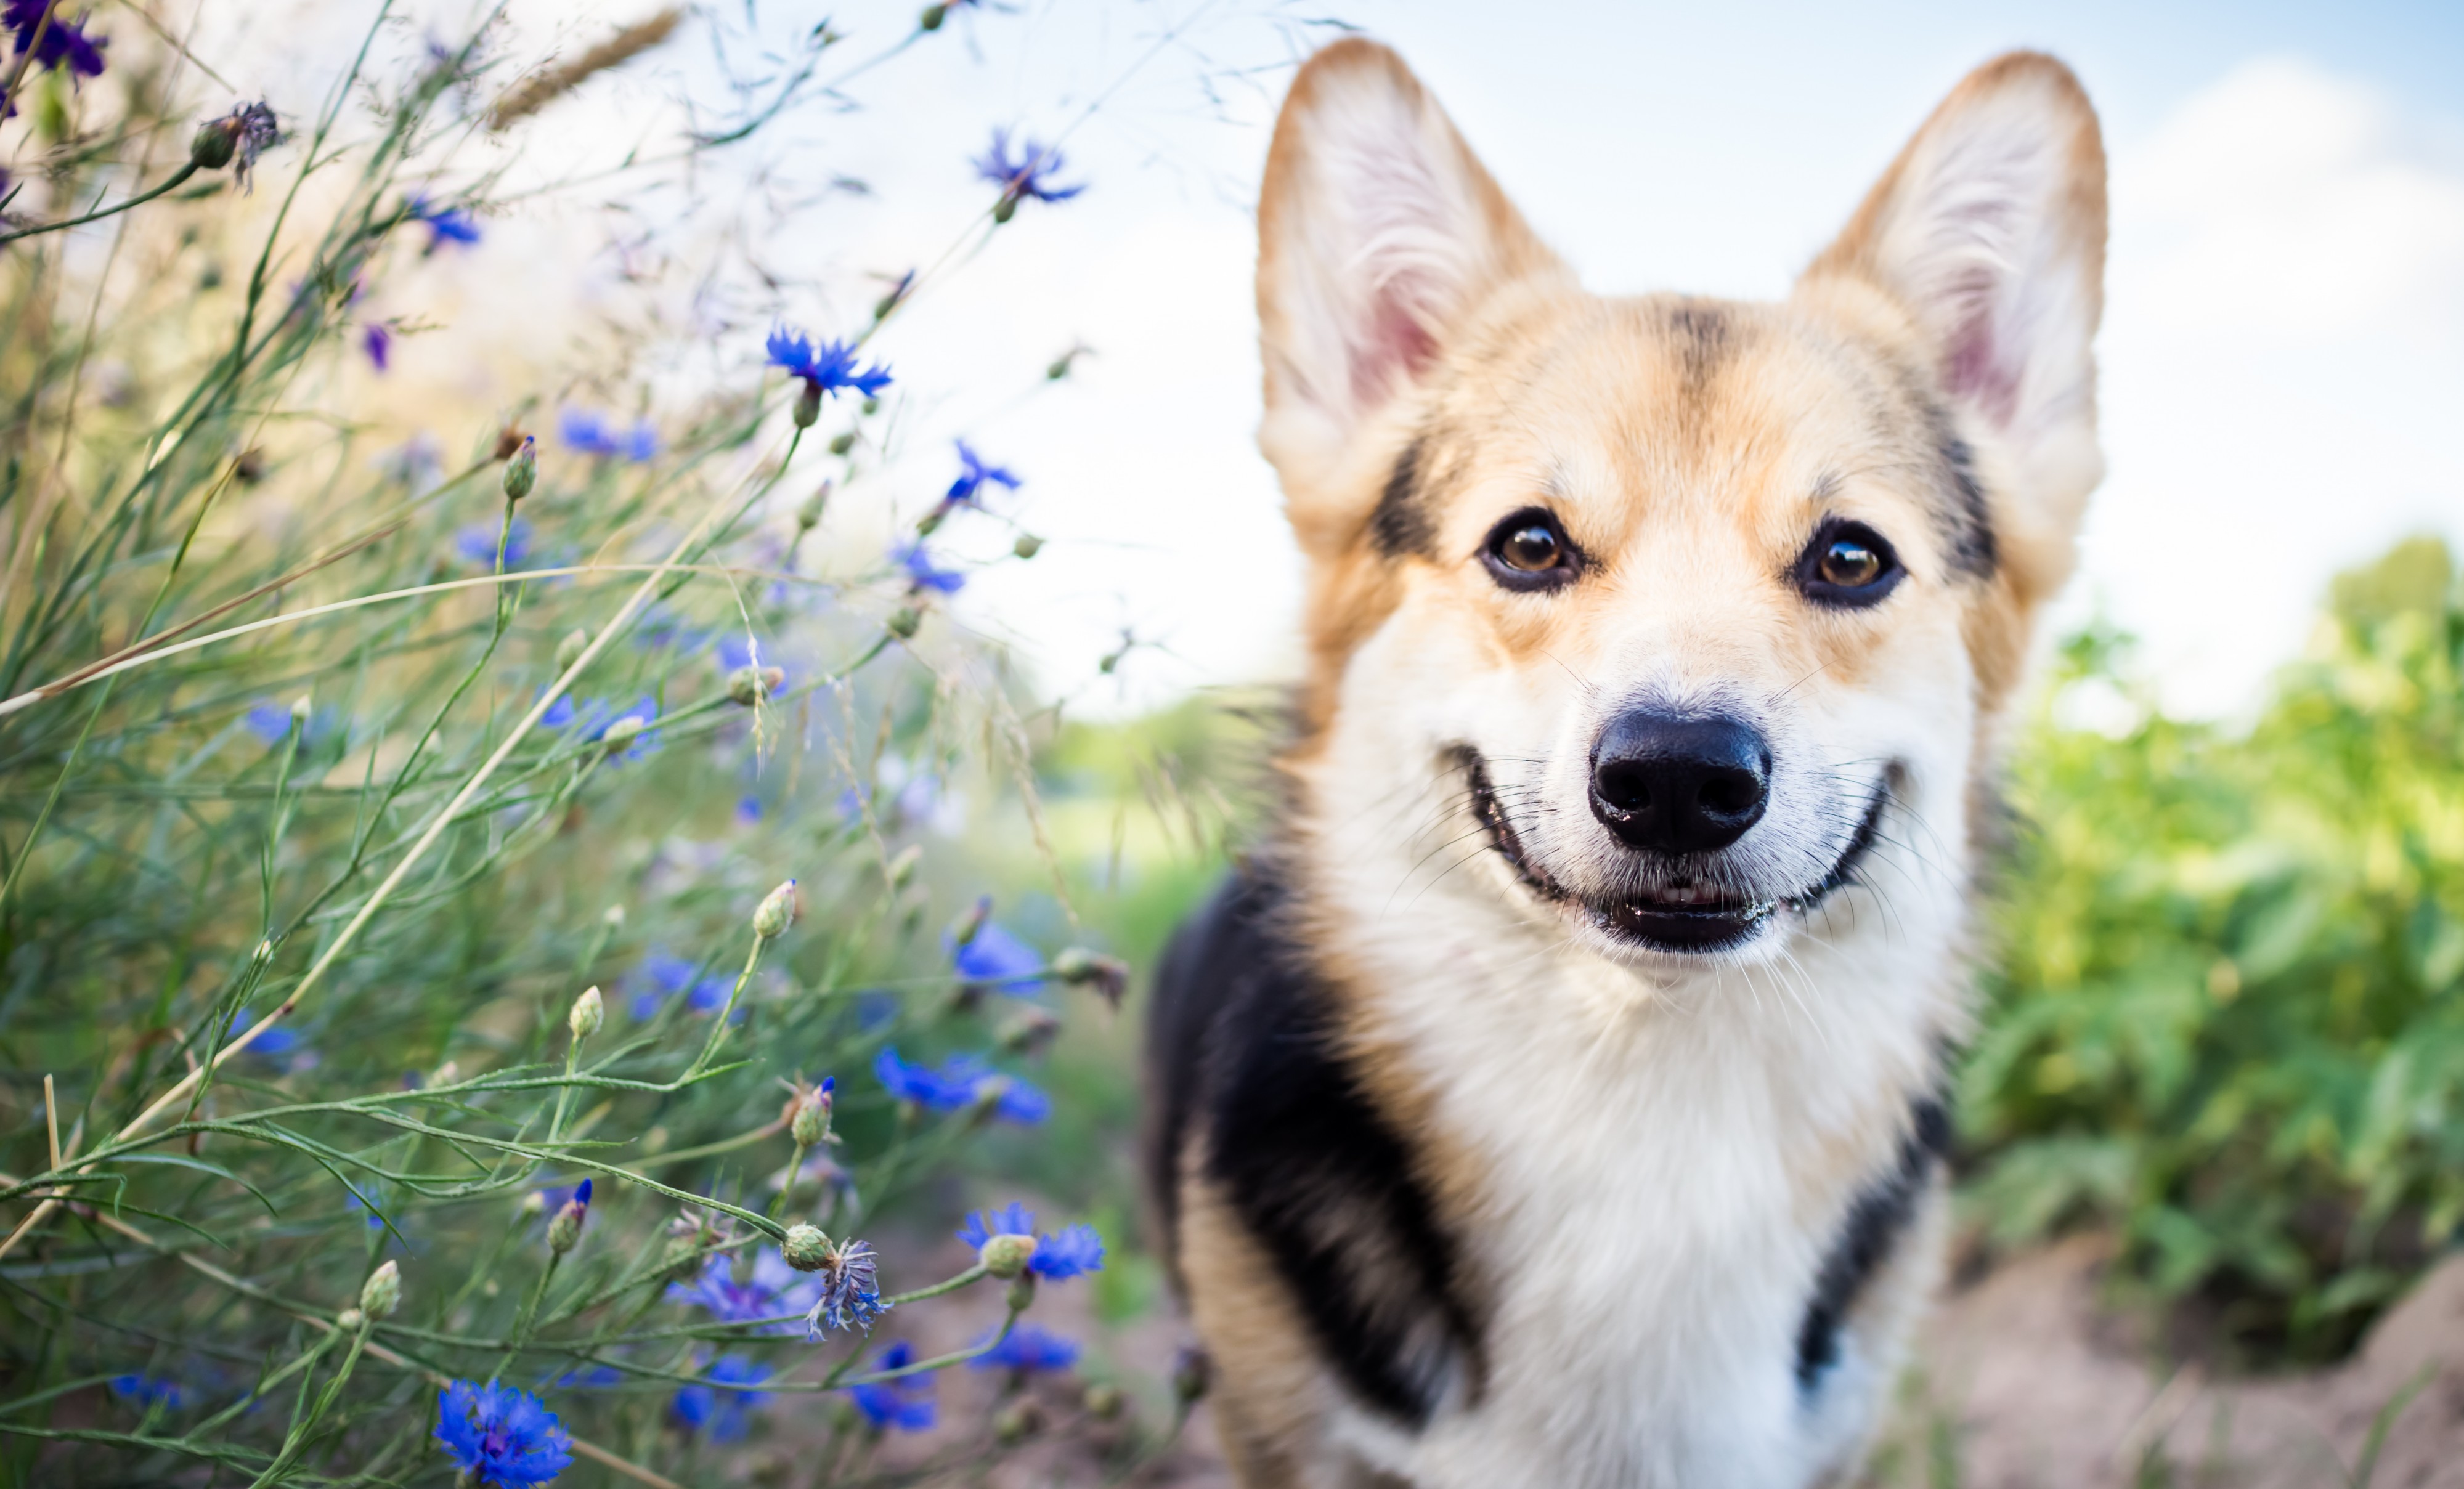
x: 2226, y: 1019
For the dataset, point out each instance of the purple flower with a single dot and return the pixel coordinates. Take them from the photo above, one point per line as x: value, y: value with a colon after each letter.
x: 722, y: 1410
x: 850, y: 1291
x: 828, y: 368
x: 477, y: 543
x: 1074, y: 1252
x: 924, y: 574
x: 775, y: 1290
x: 500, y: 1435
x: 64, y: 42
x: 594, y: 433
x: 905, y: 1403
x: 995, y: 958
x: 1028, y: 1349
x: 445, y: 224
x: 379, y: 341
x: 748, y: 810
x: 1023, y: 177
x: 147, y: 1390
x: 973, y: 474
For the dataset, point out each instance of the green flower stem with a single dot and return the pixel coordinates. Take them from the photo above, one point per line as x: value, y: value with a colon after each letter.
x: 795, y: 1166
x: 972, y: 1275
x: 296, y: 1441
x: 139, y: 200
x: 718, y: 1025
x: 520, y: 1336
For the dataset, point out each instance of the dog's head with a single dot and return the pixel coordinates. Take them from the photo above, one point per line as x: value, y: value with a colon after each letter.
x: 1692, y: 600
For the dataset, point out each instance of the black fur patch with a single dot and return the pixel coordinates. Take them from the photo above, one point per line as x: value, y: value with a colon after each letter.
x: 1401, y: 525
x: 1702, y: 330
x: 1877, y: 1219
x: 1239, y: 1048
x: 1971, y: 530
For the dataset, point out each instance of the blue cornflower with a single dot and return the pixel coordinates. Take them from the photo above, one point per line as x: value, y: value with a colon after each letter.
x: 827, y: 368
x: 983, y: 1225
x: 1075, y: 1251
x: 445, y: 224
x: 64, y: 42
x: 668, y: 975
x: 559, y: 714
x: 594, y: 433
x: 477, y: 543
x: 995, y: 958
x: 379, y: 341
x: 924, y: 574
x: 905, y: 1403
x: 974, y: 473
x: 1028, y: 1349
x: 500, y: 1434
x: 269, y: 721
x: 597, y: 717
x: 962, y: 1081
x: 273, y: 1043
x: 722, y: 1410
x: 147, y: 1390
x: 1023, y: 177
x: 748, y: 810
x: 775, y: 1290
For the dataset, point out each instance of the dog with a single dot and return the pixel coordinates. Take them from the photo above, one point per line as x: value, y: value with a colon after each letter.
x: 1556, y: 1096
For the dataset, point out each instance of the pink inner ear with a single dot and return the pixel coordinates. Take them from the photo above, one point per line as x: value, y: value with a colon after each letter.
x: 1395, y: 343
x: 1980, y: 367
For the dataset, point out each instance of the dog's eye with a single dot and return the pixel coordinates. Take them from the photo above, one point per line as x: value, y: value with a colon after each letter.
x: 1848, y: 563
x: 1528, y: 551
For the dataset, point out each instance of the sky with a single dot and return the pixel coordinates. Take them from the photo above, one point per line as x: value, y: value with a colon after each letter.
x: 2283, y: 353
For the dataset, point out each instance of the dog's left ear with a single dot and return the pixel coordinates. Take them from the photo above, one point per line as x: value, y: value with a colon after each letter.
x: 1988, y: 233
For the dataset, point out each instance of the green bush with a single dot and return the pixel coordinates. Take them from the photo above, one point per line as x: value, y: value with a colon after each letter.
x: 2227, y: 1012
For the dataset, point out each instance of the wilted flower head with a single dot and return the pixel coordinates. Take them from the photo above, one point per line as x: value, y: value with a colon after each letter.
x: 1023, y: 177
x: 235, y: 140
x: 62, y: 43
x: 828, y: 368
x: 850, y: 1290
x: 500, y: 1434
x: 904, y: 1403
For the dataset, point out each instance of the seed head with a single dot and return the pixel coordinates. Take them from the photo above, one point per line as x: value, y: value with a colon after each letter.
x: 1007, y: 1256
x: 382, y: 1293
x: 806, y: 1248
x: 775, y: 912
x: 589, y: 1012
x: 522, y: 473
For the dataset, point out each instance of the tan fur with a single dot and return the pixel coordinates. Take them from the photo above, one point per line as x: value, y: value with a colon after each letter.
x: 1686, y: 444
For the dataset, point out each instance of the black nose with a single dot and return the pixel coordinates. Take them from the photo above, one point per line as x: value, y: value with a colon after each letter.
x: 1679, y: 785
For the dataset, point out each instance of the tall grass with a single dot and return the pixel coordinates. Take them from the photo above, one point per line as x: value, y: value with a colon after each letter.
x: 328, y: 784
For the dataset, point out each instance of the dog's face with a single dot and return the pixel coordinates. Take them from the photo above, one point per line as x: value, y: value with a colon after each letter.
x: 1689, y: 603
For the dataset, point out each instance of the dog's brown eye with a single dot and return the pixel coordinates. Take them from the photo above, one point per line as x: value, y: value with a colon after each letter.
x: 1528, y: 551
x: 1849, y: 565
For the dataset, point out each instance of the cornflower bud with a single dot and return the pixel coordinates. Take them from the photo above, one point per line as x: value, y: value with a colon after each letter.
x: 808, y: 404
x: 902, y: 869
x: 1007, y: 1256
x: 1027, y: 546
x: 445, y: 1074
x: 216, y: 140
x: 933, y: 17
x: 749, y: 685
x: 1018, y: 1421
x: 522, y: 473
x: 569, y: 651
x: 1108, y: 976
x: 1103, y: 1400
x: 808, y: 516
x: 810, y: 1123
x: 1029, y: 1031
x: 382, y: 1293
x: 614, y: 915
x: 299, y: 712
x: 871, y: 406
x: 589, y: 1012
x: 620, y: 733
x: 1192, y: 1373
x: 970, y: 922
x: 930, y: 522
x: 349, y: 1319
x: 775, y: 912
x: 565, y: 1230
x: 843, y: 442
x: 806, y: 1248
x: 534, y: 1205
x: 904, y: 623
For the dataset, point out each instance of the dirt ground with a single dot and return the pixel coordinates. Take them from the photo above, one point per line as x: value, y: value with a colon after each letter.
x: 2023, y: 1382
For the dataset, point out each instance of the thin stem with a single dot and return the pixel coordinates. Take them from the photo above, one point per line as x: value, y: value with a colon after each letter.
x: 139, y: 200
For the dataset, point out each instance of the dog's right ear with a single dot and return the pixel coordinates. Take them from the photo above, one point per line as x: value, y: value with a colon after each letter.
x: 1378, y: 234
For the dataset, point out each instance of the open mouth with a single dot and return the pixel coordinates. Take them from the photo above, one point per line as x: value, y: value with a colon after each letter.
x: 1674, y: 917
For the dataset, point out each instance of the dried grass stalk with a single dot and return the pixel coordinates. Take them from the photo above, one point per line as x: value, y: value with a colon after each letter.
x: 544, y: 87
